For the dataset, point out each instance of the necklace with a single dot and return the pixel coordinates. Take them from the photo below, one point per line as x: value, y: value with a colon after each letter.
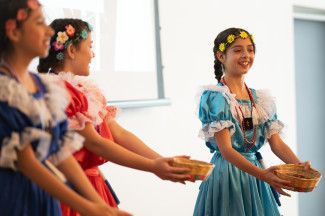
x: 247, y: 122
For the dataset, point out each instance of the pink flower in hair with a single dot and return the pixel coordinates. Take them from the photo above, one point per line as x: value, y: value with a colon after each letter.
x: 57, y: 46
x: 10, y: 24
x: 21, y: 15
x: 33, y: 4
x: 70, y: 30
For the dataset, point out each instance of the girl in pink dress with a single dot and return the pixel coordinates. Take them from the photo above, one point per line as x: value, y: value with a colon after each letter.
x: 69, y: 58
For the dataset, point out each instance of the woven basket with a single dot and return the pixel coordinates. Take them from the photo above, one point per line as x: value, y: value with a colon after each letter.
x: 301, y: 180
x: 200, y: 170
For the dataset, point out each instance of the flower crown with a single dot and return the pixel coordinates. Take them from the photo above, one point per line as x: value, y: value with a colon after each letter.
x: 22, y: 14
x: 67, y: 37
x: 231, y: 38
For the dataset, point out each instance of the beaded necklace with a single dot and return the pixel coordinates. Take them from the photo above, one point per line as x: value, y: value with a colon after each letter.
x: 247, y: 122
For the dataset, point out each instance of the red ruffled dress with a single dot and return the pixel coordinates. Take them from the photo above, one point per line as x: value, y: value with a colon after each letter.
x: 89, y: 105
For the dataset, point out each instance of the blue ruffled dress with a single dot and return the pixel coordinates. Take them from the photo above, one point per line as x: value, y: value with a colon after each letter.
x: 229, y: 191
x: 38, y: 119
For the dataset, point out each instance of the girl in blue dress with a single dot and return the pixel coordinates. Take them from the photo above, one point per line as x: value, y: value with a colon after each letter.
x: 33, y: 125
x: 236, y: 122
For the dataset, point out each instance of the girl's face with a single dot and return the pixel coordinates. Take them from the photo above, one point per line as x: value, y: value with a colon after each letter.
x: 83, y: 57
x: 35, y: 35
x: 239, y: 57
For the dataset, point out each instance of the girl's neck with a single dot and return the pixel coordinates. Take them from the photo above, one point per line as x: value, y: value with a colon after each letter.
x: 236, y: 85
x: 18, y: 64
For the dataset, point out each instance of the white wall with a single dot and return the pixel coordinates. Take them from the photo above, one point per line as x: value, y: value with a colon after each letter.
x: 188, y: 30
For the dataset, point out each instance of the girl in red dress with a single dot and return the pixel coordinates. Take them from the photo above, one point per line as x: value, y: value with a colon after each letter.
x: 88, y: 113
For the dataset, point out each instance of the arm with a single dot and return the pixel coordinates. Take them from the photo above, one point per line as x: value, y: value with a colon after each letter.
x: 223, y: 141
x: 282, y: 150
x: 131, y: 142
x: 117, y: 154
x: 75, y: 175
x: 34, y: 170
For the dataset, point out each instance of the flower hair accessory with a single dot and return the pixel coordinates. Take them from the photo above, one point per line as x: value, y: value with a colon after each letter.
x: 67, y: 37
x: 22, y: 14
x: 232, y: 37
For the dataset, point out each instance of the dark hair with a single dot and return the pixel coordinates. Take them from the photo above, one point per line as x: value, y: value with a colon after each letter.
x: 51, y: 64
x: 9, y: 10
x: 222, y: 38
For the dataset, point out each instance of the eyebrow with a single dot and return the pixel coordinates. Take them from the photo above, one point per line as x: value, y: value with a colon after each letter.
x: 239, y: 46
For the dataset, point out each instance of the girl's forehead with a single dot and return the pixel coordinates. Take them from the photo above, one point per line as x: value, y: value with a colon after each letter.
x: 242, y: 42
x: 36, y: 14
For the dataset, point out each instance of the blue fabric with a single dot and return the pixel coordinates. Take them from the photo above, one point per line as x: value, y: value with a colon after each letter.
x: 229, y: 191
x: 19, y: 196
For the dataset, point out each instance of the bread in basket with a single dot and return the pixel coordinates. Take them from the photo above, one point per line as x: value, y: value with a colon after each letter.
x: 200, y: 170
x: 301, y: 180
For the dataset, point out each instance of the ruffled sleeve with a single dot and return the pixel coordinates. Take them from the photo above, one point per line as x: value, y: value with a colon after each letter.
x: 40, y: 122
x: 88, y: 104
x: 215, y: 114
x: 266, y: 110
x: 15, y: 134
x: 77, y: 111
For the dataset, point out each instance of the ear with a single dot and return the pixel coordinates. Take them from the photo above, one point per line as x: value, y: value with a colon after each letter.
x: 220, y: 56
x: 14, y: 34
x: 71, y: 51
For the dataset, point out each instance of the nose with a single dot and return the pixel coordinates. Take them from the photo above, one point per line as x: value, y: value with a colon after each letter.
x: 244, y: 53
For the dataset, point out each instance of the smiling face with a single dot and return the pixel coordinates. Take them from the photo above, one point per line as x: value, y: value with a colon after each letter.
x: 238, y: 57
x: 83, y: 57
x: 35, y: 35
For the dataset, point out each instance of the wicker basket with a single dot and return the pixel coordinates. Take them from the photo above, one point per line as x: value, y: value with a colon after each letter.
x: 199, y: 169
x: 301, y: 180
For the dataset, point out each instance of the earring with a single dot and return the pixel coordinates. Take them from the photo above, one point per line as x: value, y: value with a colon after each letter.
x: 222, y: 69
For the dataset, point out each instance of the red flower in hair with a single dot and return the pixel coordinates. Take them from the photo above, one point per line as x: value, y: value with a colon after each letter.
x: 10, y: 24
x: 21, y: 14
x: 70, y: 30
x: 33, y: 4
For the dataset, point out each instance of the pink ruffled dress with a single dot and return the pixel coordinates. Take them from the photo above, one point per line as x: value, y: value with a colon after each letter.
x: 88, y: 105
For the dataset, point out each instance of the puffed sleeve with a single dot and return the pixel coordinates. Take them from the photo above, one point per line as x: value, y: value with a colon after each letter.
x: 215, y: 114
x: 77, y: 111
x: 273, y: 126
x: 266, y: 110
x: 16, y: 132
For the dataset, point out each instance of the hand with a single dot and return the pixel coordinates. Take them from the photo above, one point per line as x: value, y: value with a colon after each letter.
x: 306, y: 164
x: 96, y: 209
x: 163, y: 169
x: 269, y: 177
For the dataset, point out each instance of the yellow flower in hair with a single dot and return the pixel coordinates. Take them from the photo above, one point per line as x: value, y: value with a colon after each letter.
x: 222, y: 47
x: 243, y: 34
x: 231, y: 38
x: 62, y: 37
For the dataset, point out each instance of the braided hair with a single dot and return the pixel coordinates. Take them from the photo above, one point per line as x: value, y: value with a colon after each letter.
x: 222, y: 38
x: 52, y: 63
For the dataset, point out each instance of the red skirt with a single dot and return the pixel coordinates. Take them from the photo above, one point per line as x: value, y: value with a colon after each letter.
x: 100, y: 186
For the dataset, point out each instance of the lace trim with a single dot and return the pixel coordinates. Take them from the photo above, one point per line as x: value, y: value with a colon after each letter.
x: 275, y: 127
x: 265, y: 105
x: 97, y: 108
x: 70, y: 143
x: 207, y: 132
x: 40, y: 111
x: 17, y: 142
